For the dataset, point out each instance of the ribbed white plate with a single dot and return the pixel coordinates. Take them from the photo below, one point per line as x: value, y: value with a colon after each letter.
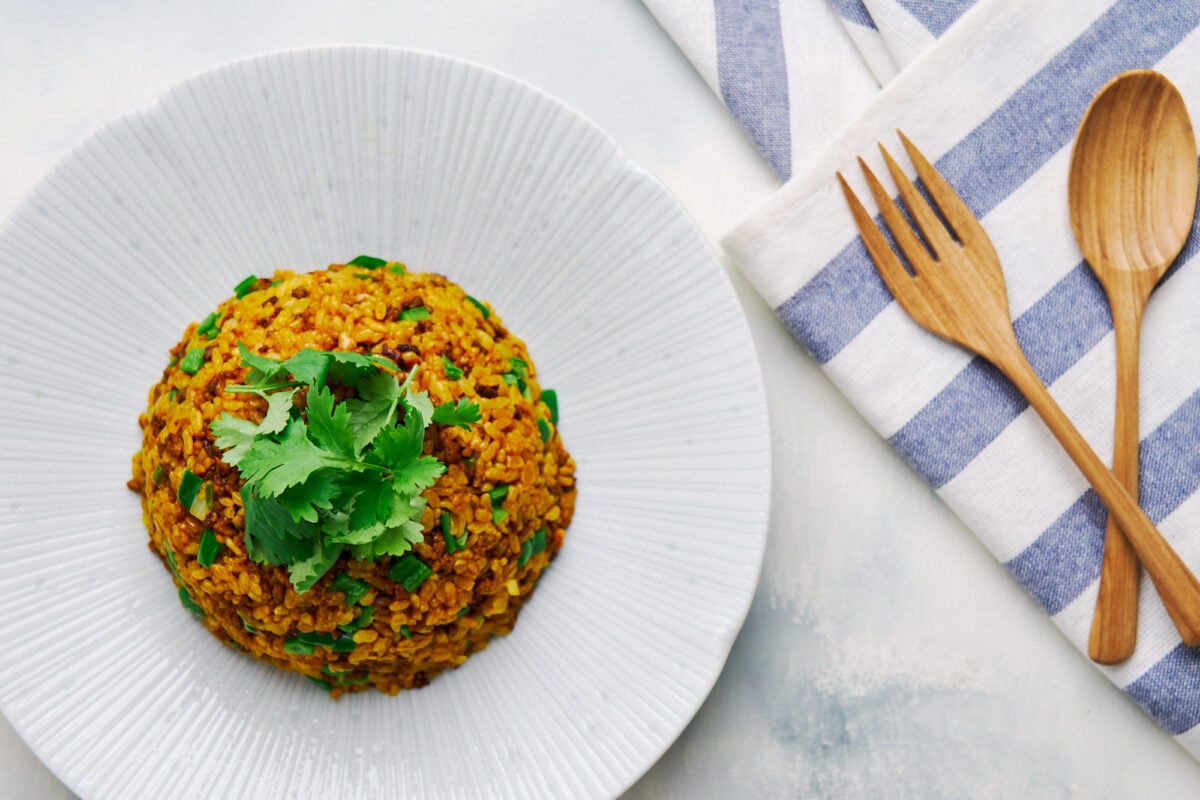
x: 296, y: 160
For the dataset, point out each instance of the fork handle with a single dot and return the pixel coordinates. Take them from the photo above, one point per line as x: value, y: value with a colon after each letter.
x: 1176, y: 585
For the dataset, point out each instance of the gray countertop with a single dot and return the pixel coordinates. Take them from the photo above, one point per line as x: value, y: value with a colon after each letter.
x: 886, y: 653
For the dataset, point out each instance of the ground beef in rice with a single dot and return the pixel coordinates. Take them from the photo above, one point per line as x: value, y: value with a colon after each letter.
x: 474, y: 593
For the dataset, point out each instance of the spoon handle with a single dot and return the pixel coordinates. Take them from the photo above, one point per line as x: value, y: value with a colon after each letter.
x: 1176, y: 585
x: 1114, y: 624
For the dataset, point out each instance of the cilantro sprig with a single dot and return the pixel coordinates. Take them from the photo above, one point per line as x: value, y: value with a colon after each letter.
x: 339, y: 476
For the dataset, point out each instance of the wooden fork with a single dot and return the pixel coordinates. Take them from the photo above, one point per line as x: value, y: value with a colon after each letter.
x: 958, y: 293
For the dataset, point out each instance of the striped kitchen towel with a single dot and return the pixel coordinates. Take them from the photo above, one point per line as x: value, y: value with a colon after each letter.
x: 995, y: 104
x: 890, y: 34
x: 787, y: 69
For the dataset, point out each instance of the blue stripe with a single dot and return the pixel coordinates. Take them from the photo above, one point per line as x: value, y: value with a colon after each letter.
x: 1170, y: 690
x: 854, y: 11
x: 1066, y: 558
x: 937, y: 15
x: 1014, y: 142
x: 752, y: 68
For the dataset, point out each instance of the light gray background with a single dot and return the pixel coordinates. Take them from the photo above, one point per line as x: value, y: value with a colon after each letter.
x: 886, y: 654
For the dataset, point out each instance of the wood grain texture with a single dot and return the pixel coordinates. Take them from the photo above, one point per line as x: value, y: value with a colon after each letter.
x: 957, y: 292
x: 1132, y: 195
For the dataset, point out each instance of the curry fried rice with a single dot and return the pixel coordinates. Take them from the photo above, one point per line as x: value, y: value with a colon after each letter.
x: 491, y: 522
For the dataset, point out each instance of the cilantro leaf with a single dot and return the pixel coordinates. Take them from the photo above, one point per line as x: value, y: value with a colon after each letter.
x: 306, y: 573
x: 378, y: 396
x: 372, y: 499
x: 309, y: 366
x: 462, y: 414
x: 262, y: 368
x: 394, y: 447
x: 330, y: 427
x: 272, y: 536
x: 348, y: 368
x: 273, y: 466
x: 418, y: 475
x: 234, y: 435
x: 306, y: 500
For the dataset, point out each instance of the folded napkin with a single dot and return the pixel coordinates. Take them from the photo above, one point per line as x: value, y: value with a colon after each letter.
x: 995, y: 104
x: 787, y: 69
x: 890, y: 34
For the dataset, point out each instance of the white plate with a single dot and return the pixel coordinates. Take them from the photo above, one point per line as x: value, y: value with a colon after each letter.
x: 296, y: 160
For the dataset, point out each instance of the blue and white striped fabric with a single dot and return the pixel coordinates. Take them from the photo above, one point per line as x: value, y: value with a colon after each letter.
x: 786, y: 69
x: 995, y: 105
x: 890, y: 34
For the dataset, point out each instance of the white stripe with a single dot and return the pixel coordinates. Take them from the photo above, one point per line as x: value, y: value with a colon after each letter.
x: 874, y: 51
x: 786, y: 254
x: 905, y: 36
x: 693, y: 27
x: 829, y: 84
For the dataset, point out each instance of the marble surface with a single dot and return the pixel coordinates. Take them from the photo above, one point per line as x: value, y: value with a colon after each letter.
x: 886, y: 653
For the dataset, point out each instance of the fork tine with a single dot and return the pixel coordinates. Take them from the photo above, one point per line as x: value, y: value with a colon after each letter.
x: 961, y: 219
x: 910, y: 245
x: 898, y: 281
x: 927, y: 221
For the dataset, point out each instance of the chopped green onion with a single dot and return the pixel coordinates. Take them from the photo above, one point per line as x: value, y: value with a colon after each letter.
x: 174, y: 360
x: 246, y: 286
x: 249, y: 628
x: 361, y: 621
x: 414, y: 314
x: 344, y: 645
x: 452, y: 372
x: 353, y: 588
x: 326, y: 685
x: 275, y: 282
x: 209, y: 547
x: 499, y: 515
x: 366, y: 262
x: 482, y: 308
x: 208, y: 328
x: 171, y: 563
x: 315, y: 638
x: 189, y: 603
x: 295, y: 647
x: 171, y: 395
x: 405, y: 632
x: 519, y: 367
x: 550, y: 398
x: 539, y: 540
x: 410, y: 572
x: 498, y: 494
x: 364, y: 276
x: 462, y: 612
x: 544, y: 429
x: 526, y: 553
x: 453, y: 543
x: 158, y: 474
x: 189, y: 487
x: 193, y: 360
x: 397, y: 269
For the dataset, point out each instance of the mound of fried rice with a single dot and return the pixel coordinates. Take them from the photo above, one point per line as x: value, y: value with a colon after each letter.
x: 473, y: 594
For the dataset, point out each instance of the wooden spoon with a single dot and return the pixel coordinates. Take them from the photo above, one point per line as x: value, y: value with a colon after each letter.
x: 1132, y: 195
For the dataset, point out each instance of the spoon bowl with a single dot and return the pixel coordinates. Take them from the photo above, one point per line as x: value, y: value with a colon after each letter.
x: 1132, y: 193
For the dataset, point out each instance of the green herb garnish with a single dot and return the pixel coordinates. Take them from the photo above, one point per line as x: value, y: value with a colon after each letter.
x: 209, y: 328
x: 517, y: 375
x: 209, y: 547
x: 414, y: 314
x: 410, y: 572
x: 353, y: 588
x: 497, y: 495
x: 462, y: 414
x: 544, y: 429
x: 156, y: 477
x: 453, y: 543
x: 171, y: 395
x: 452, y: 372
x: 192, y: 361
x: 343, y: 476
x: 246, y: 286
x: 189, y: 603
x: 324, y: 684
x: 397, y: 269
x: 482, y: 308
x: 195, y: 494
x: 295, y: 647
x: 366, y: 262
x: 365, y: 618
x: 532, y: 546
x: 550, y: 398
x: 405, y: 632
